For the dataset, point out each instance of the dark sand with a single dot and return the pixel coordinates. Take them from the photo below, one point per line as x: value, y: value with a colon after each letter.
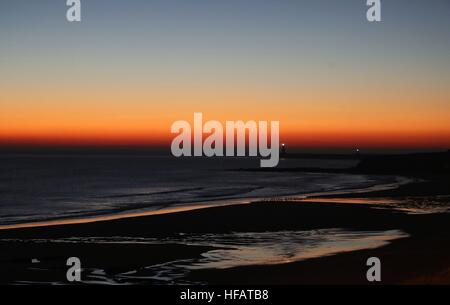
x: 422, y: 258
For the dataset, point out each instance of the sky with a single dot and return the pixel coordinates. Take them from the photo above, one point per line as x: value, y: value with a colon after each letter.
x: 129, y: 69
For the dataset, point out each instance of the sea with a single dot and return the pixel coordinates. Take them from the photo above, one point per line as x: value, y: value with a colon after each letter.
x: 35, y: 188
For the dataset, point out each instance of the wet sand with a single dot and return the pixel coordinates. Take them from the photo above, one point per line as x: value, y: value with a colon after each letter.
x: 422, y: 258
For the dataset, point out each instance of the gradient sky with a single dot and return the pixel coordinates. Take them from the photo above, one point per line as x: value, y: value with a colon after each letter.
x: 131, y: 68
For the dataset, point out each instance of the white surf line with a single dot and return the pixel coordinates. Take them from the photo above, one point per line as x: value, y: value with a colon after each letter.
x: 201, y: 205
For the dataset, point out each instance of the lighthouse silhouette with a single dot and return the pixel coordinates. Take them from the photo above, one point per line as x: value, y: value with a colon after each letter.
x: 283, y: 149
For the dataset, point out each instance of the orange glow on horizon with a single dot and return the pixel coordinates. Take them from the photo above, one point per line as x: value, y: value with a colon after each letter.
x: 307, y: 139
x: 126, y: 117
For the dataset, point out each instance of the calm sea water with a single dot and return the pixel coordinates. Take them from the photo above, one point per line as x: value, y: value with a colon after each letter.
x: 37, y: 188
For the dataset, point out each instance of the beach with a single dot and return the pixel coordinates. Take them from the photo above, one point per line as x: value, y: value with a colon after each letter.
x: 189, y: 145
x: 190, y: 247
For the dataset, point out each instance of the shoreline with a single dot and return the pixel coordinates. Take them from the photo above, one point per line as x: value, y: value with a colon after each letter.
x: 425, y: 251
x: 176, y: 208
x: 421, y: 258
